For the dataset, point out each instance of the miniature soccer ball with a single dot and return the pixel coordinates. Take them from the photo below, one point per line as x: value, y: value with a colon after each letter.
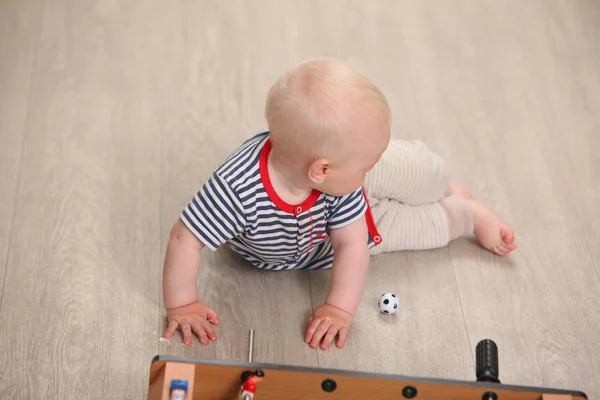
x: 388, y: 303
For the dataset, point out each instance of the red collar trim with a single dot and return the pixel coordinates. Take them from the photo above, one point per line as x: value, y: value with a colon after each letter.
x: 278, y: 201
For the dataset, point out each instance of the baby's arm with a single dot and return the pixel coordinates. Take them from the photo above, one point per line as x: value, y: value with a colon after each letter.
x: 348, y: 278
x: 214, y: 216
x: 350, y: 266
x: 180, y: 293
x: 180, y: 271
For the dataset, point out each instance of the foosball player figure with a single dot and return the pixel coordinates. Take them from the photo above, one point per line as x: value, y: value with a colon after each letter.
x: 249, y: 381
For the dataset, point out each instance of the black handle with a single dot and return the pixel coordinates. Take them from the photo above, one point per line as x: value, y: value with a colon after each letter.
x: 486, y: 361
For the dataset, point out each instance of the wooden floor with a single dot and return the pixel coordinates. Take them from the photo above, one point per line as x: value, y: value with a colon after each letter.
x: 112, y: 114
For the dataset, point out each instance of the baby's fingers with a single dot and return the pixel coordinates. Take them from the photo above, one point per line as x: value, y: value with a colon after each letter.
x: 342, y: 335
x: 212, y: 316
x: 310, y: 331
x: 333, y: 330
x: 200, y: 332
x: 171, y: 328
x: 320, y: 332
x: 186, y: 330
x: 210, y: 333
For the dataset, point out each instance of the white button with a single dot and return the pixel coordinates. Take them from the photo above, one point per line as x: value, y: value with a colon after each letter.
x: 377, y: 239
x: 301, y: 236
x: 298, y: 210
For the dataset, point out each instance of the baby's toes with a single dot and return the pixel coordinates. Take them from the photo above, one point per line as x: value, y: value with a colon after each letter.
x: 500, y: 249
x: 507, y: 235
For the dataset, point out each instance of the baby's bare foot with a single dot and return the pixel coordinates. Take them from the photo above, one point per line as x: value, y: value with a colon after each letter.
x: 491, y: 232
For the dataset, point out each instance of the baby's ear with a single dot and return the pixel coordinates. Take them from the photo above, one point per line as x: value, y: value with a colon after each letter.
x: 318, y: 170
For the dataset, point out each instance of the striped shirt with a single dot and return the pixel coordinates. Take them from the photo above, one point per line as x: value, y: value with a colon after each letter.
x: 238, y: 206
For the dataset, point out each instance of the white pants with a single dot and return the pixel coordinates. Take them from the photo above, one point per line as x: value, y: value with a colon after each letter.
x: 405, y: 190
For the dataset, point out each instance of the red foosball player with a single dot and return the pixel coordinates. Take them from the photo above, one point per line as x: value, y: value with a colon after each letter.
x: 249, y: 381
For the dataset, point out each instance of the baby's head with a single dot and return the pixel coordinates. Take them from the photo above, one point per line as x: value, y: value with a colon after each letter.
x: 328, y: 121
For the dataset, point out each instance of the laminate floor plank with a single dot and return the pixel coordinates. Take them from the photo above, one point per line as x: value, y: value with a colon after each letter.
x: 18, y: 43
x: 81, y: 287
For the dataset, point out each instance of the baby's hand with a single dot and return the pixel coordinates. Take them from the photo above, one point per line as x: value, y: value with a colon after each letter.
x: 327, y: 321
x: 196, y: 317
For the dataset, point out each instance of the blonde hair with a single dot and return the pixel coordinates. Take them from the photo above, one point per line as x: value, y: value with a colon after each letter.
x: 311, y: 110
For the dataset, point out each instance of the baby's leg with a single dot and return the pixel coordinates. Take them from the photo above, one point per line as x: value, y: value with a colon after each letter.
x: 429, y: 226
x: 409, y: 173
x: 406, y: 227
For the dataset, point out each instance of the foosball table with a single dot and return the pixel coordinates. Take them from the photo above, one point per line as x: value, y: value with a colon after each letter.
x: 178, y: 378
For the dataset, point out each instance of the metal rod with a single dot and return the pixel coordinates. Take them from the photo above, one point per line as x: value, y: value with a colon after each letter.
x: 251, y: 346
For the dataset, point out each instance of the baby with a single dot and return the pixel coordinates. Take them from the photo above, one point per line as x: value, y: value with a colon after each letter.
x: 324, y: 187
